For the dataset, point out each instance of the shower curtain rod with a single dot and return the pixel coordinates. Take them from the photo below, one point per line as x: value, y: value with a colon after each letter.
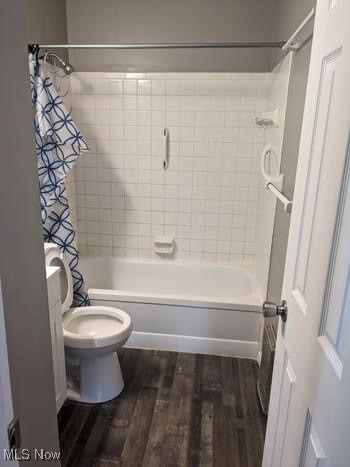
x: 284, y: 45
x: 184, y: 45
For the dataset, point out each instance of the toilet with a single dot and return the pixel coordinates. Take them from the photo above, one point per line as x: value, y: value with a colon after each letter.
x: 92, y: 336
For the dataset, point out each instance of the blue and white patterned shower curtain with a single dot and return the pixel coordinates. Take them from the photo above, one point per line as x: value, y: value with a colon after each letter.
x: 58, y: 144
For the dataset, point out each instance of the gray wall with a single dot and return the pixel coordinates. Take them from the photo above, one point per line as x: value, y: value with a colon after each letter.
x: 289, y: 15
x: 21, y: 250
x: 118, y: 21
x: 46, y: 22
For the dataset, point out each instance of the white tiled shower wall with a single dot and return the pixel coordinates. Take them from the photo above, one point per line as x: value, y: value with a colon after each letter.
x: 267, y: 202
x: 208, y: 198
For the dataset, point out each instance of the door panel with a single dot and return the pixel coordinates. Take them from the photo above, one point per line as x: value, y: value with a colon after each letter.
x: 285, y: 402
x: 313, y: 182
x: 334, y: 319
x: 309, y: 408
x: 312, y: 454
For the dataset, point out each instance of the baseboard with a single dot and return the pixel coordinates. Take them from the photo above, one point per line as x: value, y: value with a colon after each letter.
x: 193, y: 344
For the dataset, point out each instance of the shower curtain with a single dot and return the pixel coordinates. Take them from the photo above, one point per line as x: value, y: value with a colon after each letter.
x: 58, y: 144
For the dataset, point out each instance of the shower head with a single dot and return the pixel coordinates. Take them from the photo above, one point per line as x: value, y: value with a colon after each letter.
x: 66, y: 67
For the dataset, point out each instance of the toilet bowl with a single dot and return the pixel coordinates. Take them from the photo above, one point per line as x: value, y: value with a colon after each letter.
x: 92, y: 336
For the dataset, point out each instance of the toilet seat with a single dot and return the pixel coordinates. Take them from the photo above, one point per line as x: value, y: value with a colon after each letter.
x: 95, y: 327
x: 55, y: 257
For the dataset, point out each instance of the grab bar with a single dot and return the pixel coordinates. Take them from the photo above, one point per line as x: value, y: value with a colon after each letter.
x: 287, y: 203
x: 166, y: 148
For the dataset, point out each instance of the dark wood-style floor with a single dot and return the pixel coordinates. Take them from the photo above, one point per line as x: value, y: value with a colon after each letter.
x: 176, y: 410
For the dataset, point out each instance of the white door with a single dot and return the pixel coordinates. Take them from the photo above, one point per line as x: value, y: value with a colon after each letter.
x: 309, y: 418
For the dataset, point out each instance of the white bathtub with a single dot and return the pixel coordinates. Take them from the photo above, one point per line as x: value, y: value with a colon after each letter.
x: 174, y: 305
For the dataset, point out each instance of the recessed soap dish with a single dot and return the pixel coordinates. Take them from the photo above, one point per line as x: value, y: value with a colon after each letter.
x: 164, y: 245
x: 268, y: 119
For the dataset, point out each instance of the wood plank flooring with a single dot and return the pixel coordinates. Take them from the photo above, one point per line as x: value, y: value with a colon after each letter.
x: 177, y: 410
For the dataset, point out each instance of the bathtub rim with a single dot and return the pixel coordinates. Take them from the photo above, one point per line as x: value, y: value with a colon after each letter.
x: 251, y: 302
x: 246, y: 267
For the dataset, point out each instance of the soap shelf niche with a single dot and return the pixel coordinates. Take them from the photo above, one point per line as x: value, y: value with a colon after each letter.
x: 268, y: 119
x: 164, y: 245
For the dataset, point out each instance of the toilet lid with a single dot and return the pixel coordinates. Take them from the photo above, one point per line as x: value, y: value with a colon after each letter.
x: 55, y: 257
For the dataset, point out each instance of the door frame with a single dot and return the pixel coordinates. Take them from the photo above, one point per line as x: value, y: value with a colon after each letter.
x: 24, y: 308
x: 6, y: 405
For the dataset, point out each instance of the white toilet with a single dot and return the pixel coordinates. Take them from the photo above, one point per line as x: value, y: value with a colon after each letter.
x: 92, y: 336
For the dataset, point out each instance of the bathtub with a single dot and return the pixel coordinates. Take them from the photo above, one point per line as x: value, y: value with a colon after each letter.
x: 174, y: 305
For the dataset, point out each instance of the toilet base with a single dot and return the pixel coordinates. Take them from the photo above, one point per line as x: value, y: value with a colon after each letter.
x: 100, y: 378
